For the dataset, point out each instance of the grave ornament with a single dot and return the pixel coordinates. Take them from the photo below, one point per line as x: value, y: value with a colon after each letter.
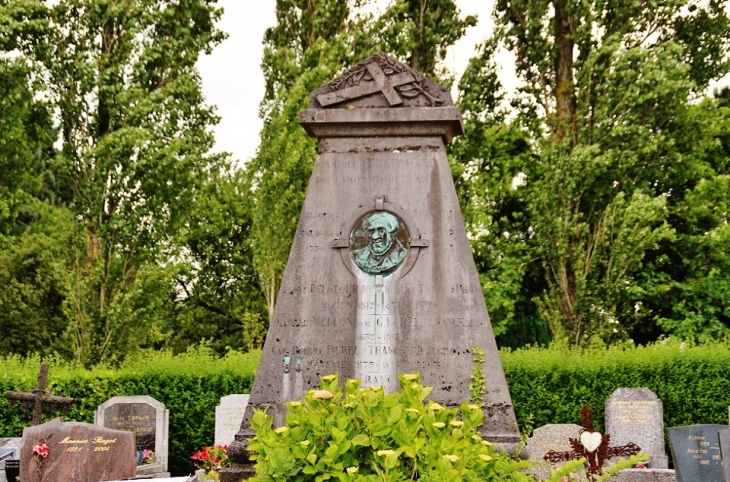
x: 380, y: 278
x: 592, y: 445
x: 38, y: 397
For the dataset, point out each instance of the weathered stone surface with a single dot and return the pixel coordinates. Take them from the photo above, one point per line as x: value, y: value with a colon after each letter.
x: 636, y: 415
x: 645, y: 475
x: 78, y: 452
x: 549, y: 437
x: 696, y: 452
x: 724, y: 436
x: 228, y: 417
x: 147, y: 419
x: 422, y: 312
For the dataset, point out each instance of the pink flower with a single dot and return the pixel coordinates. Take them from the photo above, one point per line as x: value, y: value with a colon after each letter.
x: 41, y: 450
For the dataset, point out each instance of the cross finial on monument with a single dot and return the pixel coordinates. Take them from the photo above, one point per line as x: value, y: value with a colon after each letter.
x: 38, y: 397
x: 593, y: 446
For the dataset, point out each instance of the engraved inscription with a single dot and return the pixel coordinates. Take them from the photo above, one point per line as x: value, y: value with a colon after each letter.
x: 634, y: 411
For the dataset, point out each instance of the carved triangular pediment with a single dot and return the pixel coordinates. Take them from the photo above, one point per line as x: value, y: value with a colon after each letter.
x: 380, y: 81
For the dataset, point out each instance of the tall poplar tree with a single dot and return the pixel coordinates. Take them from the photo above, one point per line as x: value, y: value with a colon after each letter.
x: 135, y: 136
x: 616, y: 141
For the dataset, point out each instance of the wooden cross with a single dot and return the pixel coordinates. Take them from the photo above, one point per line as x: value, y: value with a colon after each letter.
x: 38, y: 396
x: 593, y: 446
x: 381, y: 83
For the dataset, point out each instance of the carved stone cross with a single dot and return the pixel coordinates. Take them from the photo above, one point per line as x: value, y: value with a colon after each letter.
x: 593, y: 446
x: 381, y: 83
x: 38, y: 396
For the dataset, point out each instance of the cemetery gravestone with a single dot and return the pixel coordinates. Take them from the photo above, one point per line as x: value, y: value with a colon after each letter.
x: 725, y: 453
x: 147, y: 419
x: 696, y: 452
x: 380, y: 278
x: 228, y: 417
x: 9, y: 449
x: 550, y: 437
x: 635, y: 415
x: 77, y: 452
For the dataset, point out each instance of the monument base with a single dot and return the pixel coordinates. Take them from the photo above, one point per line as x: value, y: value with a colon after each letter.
x: 237, y: 473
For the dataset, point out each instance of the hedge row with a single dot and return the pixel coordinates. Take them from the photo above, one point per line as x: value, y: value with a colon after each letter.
x: 547, y: 386
x: 550, y: 386
x: 190, y: 385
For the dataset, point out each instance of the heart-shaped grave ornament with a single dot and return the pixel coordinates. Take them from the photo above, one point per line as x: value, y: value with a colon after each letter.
x: 591, y: 440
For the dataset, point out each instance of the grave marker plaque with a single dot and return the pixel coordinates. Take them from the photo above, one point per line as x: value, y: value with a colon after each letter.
x: 77, y: 452
x: 147, y: 419
x: 635, y: 415
x: 380, y: 278
x: 696, y: 452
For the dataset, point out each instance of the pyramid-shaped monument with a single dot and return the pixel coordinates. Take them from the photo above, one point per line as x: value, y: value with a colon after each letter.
x: 381, y: 279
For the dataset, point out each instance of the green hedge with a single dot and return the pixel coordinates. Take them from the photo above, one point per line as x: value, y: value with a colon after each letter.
x: 550, y: 386
x: 190, y: 385
x: 547, y: 386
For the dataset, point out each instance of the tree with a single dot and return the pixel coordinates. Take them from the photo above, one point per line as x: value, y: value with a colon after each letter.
x: 607, y: 106
x: 134, y: 151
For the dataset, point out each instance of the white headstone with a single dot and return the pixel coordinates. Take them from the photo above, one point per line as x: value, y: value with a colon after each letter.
x: 228, y: 418
x: 635, y: 415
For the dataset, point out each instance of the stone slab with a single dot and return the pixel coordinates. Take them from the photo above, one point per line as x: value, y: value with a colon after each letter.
x: 645, y: 475
x: 546, y: 438
x: 696, y: 452
x: 78, y: 452
x: 9, y: 449
x: 228, y: 417
x: 636, y: 415
x: 724, y: 436
x: 147, y: 419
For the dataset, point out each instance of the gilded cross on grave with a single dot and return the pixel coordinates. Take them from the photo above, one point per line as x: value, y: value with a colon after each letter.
x: 38, y: 397
x: 593, y: 446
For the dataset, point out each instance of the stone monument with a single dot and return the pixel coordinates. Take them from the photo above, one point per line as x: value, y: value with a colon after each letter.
x: 148, y: 420
x: 696, y: 452
x: 380, y: 278
x: 228, y: 417
x: 635, y: 415
x: 76, y: 452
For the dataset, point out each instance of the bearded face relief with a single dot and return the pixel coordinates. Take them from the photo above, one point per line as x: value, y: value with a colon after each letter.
x: 379, y: 243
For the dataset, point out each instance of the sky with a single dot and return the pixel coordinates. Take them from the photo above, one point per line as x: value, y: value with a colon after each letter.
x: 232, y: 78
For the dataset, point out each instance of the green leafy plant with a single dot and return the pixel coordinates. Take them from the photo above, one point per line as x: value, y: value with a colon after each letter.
x: 365, y: 434
x: 478, y: 384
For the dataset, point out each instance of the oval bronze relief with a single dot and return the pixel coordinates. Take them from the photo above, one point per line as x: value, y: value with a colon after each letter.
x: 379, y: 242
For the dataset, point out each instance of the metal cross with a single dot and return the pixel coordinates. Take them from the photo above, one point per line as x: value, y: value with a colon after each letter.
x: 38, y: 396
x: 593, y: 446
x: 381, y: 83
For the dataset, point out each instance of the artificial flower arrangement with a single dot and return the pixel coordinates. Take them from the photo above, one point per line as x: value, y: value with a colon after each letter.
x: 211, y: 459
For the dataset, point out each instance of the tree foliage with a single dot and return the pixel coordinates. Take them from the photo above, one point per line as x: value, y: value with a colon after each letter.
x: 615, y: 146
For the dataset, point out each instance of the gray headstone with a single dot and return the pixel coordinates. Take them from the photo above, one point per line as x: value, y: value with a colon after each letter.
x: 381, y: 279
x: 228, y: 417
x: 147, y: 419
x: 696, y: 452
x: 555, y: 436
x: 725, y: 452
x: 636, y: 415
x: 78, y: 452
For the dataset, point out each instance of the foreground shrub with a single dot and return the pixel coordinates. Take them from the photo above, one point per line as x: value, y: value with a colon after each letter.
x: 367, y: 435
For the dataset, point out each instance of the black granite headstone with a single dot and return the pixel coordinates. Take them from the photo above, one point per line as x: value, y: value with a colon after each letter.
x: 696, y: 452
x: 725, y: 450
